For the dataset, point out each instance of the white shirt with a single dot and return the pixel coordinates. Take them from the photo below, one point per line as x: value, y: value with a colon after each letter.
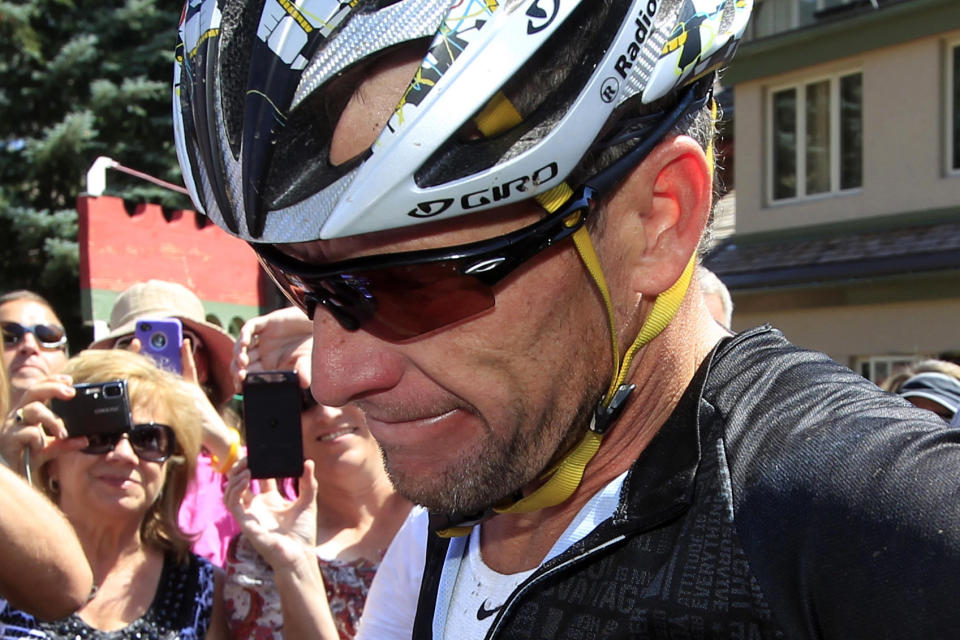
x: 479, y: 592
x: 391, y: 605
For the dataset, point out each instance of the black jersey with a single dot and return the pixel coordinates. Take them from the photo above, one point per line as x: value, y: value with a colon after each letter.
x: 785, y: 497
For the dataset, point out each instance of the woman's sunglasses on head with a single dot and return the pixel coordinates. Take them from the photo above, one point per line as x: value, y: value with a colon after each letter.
x: 48, y: 336
x: 152, y: 442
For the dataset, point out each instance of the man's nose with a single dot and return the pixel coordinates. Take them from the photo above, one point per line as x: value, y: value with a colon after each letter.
x: 350, y: 364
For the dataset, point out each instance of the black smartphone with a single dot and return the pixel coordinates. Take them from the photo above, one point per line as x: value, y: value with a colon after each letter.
x: 98, y: 407
x: 271, y: 418
x: 160, y: 339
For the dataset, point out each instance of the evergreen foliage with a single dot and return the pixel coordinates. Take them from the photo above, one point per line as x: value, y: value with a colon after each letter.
x: 78, y: 79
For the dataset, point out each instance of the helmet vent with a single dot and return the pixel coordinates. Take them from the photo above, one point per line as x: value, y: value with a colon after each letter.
x: 238, y: 31
x: 542, y: 91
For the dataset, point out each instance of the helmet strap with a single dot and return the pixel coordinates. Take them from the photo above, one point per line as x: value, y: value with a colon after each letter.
x: 562, y: 478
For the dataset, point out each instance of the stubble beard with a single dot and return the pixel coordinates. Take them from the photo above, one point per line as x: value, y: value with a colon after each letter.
x: 498, y: 469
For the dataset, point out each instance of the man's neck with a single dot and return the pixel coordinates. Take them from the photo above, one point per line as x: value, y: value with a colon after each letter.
x: 662, y: 371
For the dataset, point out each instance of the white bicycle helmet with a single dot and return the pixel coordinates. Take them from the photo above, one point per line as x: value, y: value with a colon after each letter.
x: 260, y: 84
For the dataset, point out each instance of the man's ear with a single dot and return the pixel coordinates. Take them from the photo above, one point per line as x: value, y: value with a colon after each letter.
x: 659, y: 212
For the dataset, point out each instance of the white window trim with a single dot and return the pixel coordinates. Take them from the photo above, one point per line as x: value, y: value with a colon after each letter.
x: 890, y: 361
x: 794, y: 21
x: 948, y: 120
x: 801, y: 134
x: 821, y: 4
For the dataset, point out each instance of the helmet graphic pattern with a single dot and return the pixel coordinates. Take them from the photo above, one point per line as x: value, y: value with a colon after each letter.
x: 251, y: 81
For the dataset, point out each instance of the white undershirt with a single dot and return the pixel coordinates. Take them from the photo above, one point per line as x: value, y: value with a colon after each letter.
x: 479, y: 591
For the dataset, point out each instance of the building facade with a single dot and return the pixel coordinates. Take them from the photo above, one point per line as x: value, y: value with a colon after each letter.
x: 847, y: 175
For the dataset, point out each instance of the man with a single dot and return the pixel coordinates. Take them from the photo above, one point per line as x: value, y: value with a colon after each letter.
x: 472, y: 257
x: 34, y: 341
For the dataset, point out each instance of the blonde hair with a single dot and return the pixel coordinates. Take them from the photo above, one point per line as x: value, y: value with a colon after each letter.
x: 149, y: 385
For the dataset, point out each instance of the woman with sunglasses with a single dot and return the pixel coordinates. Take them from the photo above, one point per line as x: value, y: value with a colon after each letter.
x: 121, y: 492
x: 34, y: 342
x: 302, y: 567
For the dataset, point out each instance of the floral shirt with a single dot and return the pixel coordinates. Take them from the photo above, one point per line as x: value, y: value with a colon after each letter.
x: 253, y: 605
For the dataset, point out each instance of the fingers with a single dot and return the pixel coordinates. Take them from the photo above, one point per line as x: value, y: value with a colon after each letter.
x: 308, y: 484
x: 235, y: 492
x: 58, y: 386
x: 268, y: 485
x: 42, y: 446
x: 37, y: 414
x: 242, y: 356
x: 281, y: 339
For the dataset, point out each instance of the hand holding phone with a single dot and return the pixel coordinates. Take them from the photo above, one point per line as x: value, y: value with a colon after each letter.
x: 160, y: 339
x: 271, y: 418
x: 97, y: 407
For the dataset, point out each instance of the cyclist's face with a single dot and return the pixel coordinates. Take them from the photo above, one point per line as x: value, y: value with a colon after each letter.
x: 469, y: 413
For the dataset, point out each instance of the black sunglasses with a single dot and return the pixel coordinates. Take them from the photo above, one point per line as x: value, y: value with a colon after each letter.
x: 48, y: 336
x: 404, y: 295
x: 151, y: 441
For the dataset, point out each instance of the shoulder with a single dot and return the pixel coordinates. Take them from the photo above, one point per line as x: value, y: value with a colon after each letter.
x: 840, y: 490
x: 408, y: 547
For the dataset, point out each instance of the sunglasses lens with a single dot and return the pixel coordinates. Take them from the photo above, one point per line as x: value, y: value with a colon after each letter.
x: 48, y: 334
x: 392, y: 303
x: 12, y: 333
x: 416, y: 299
x: 153, y: 442
x: 123, y: 342
x: 101, y: 442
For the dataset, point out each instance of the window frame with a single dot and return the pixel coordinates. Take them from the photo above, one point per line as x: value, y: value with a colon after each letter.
x: 950, y: 108
x: 800, y: 87
x: 891, y: 362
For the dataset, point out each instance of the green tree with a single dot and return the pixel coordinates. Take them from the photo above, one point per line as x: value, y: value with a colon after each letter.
x: 78, y: 79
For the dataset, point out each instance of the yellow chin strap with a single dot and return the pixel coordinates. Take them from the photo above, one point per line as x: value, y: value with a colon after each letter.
x: 560, y: 480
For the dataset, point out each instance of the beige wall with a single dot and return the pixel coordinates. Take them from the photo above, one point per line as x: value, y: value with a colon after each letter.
x: 904, y: 167
x: 845, y: 332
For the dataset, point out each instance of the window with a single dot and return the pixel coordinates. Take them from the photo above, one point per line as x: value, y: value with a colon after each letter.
x: 816, y: 138
x: 953, y: 108
x: 877, y: 368
x: 770, y: 17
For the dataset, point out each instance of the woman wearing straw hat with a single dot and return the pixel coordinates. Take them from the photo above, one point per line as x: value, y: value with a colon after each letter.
x: 206, y: 354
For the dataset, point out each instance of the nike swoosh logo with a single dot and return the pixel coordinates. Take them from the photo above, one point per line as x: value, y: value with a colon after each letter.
x: 483, y: 613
